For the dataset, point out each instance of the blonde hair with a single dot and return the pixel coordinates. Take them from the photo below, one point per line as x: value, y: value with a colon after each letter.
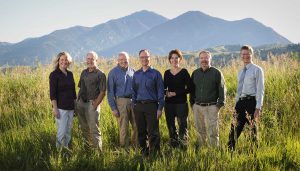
x: 93, y: 53
x: 58, y: 56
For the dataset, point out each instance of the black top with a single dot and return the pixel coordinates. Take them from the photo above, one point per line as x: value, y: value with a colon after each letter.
x: 62, y: 89
x: 179, y: 83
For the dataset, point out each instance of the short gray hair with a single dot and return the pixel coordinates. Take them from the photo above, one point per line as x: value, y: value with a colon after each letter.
x: 124, y: 53
x: 93, y: 53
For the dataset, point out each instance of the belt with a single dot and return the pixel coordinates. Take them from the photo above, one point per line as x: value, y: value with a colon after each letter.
x: 206, y: 104
x: 126, y: 97
x: 146, y: 101
x: 247, y: 98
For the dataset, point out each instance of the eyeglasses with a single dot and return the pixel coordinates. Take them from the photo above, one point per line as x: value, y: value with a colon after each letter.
x: 144, y: 57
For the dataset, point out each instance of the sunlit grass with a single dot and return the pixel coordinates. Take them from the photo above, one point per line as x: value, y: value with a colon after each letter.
x: 27, y: 128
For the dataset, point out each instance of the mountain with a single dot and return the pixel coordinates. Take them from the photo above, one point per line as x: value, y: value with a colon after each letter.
x: 190, y: 31
x: 79, y: 40
x: 195, y: 30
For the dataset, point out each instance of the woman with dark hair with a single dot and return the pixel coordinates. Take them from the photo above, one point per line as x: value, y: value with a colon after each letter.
x: 63, y: 96
x: 176, y: 84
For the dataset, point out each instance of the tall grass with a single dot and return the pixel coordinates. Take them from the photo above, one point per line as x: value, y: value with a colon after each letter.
x: 27, y: 127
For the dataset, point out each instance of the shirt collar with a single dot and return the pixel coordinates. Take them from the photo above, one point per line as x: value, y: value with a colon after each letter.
x: 122, y: 68
x: 249, y: 65
x: 95, y: 70
x: 149, y: 69
x: 201, y: 69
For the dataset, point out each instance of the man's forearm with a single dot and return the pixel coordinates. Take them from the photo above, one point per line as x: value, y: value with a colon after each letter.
x: 100, y: 97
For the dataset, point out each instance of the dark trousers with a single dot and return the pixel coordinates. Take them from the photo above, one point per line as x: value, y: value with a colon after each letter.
x: 181, y: 112
x: 242, y: 107
x: 147, y: 126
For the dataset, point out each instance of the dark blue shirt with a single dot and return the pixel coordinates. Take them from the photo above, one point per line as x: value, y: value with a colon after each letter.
x: 148, y: 85
x: 119, y: 84
x: 62, y: 89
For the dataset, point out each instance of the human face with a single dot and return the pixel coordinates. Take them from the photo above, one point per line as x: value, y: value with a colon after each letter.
x: 123, y: 61
x: 145, y: 58
x: 90, y: 61
x: 246, y: 56
x: 175, y: 60
x: 63, y: 62
x: 205, y: 60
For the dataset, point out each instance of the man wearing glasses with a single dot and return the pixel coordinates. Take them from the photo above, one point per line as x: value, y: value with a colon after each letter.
x: 148, y: 100
x: 249, y: 97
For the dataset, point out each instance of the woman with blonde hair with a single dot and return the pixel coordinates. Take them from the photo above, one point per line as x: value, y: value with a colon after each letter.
x: 63, y: 96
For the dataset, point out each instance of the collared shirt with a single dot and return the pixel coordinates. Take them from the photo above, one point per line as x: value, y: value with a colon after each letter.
x: 62, y: 89
x: 208, y: 86
x: 148, y: 85
x: 91, y: 84
x: 253, y: 84
x: 119, y: 84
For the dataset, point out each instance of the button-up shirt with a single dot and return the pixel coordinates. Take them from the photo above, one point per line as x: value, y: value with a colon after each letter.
x: 119, y: 84
x: 253, y: 84
x: 91, y: 84
x: 62, y: 89
x: 148, y: 85
x: 208, y: 86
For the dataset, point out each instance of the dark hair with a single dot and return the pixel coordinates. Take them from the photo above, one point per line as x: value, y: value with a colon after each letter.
x: 247, y: 47
x: 177, y: 52
x: 144, y: 50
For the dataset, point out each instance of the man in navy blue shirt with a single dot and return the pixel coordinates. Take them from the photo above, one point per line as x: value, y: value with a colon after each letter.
x: 119, y: 87
x: 148, y: 99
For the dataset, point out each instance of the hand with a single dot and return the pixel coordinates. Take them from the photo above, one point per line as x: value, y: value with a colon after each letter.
x: 116, y: 113
x: 257, y: 115
x: 159, y: 113
x: 56, y: 113
x: 168, y: 94
x: 94, y: 104
x: 172, y: 94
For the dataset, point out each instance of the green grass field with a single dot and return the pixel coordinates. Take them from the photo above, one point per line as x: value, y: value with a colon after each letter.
x: 27, y: 127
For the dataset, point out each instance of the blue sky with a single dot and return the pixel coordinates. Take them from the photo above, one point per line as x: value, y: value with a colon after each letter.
x: 20, y: 19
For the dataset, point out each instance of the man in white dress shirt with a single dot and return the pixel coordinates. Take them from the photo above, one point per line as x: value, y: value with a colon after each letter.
x: 249, y: 97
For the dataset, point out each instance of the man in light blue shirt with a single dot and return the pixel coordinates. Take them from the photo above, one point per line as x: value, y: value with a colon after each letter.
x: 119, y: 98
x: 249, y: 97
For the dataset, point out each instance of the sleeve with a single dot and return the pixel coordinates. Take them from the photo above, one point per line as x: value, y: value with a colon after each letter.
x: 165, y: 83
x: 73, y: 88
x: 80, y: 79
x: 237, y: 96
x: 111, y: 91
x: 192, y: 89
x: 53, y: 86
x: 221, y: 90
x: 160, y: 91
x: 102, y: 84
x: 186, y: 79
x: 260, y: 87
x: 134, y: 89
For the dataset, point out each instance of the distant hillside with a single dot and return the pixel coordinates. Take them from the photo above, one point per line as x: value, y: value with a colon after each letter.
x: 190, y: 31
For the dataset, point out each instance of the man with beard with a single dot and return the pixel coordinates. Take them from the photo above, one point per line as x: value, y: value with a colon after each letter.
x: 207, y: 97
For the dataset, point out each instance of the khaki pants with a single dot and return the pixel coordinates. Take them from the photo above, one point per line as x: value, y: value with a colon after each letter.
x: 207, y: 125
x: 89, y: 123
x: 126, y: 115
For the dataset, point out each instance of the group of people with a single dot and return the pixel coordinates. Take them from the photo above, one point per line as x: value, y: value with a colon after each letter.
x: 138, y: 98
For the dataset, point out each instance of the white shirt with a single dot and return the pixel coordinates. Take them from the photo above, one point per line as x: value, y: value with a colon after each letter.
x: 253, y: 84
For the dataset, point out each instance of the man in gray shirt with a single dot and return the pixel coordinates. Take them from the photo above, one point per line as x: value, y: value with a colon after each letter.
x: 92, y: 86
x: 249, y: 97
x: 207, y: 97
